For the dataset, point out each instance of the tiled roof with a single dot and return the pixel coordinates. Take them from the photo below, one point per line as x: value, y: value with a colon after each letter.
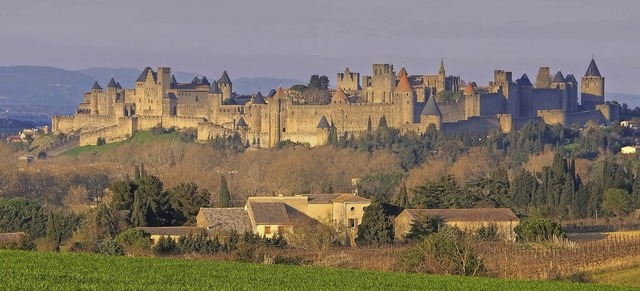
x: 467, y: 214
x: 339, y: 96
x: 469, y: 89
x: 172, y: 230
x: 226, y: 219
x: 592, y: 70
x: 431, y: 108
x: 403, y: 82
x: 269, y: 213
x: 280, y: 93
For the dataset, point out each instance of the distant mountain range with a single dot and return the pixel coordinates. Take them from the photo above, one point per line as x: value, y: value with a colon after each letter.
x: 47, y: 90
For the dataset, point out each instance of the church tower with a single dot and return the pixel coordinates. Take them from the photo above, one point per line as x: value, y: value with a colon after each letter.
x: 592, y: 87
x: 225, y: 85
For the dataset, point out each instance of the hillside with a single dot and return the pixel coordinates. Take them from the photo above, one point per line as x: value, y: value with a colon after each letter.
x: 40, y: 270
x: 245, y: 86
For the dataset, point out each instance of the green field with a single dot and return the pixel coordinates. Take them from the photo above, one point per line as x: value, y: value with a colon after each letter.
x: 626, y: 277
x: 55, y: 271
x: 138, y: 138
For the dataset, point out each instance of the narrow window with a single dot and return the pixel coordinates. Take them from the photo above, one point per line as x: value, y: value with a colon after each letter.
x: 267, y: 230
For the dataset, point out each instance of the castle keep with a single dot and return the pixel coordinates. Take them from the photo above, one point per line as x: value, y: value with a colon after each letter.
x: 408, y: 102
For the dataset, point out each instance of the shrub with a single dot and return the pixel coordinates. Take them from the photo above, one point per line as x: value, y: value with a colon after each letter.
x: 539, y: 230
x: 489, y: 232
x: 166, y: 246
x: 110, y: 247
x: 134, y: 241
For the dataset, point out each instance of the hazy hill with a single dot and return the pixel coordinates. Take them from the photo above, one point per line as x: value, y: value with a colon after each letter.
x: 245, y: 86
x: 127, y: 76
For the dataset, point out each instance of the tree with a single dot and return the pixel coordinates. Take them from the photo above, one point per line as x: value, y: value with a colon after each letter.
x: 224, y: 197
x: 403, y: 196
x: 187, y: 200
x: 425, y: 225
x: 318, y: 82
x: 616, y: 201
x: 23, y: 215
x: 538, y: 230
x: 376, y: 227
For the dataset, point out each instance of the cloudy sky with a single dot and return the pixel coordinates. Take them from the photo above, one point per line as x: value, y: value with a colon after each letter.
x: 294, y: 39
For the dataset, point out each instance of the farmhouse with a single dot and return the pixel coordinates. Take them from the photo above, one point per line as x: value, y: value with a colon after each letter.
x: 467, y: 219
x: 223, y: 220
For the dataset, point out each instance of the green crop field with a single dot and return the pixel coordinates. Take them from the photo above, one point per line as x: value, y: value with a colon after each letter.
x: 56, y: 271
x: 626, y: 277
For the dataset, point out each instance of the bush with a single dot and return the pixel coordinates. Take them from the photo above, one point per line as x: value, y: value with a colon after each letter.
x: 539, y: 230
x: 488, y: 233
x: 199, y: 243
x: 135, y: 241
x: 110, y: 247
x: 84, y: 247
x: 166, y: 246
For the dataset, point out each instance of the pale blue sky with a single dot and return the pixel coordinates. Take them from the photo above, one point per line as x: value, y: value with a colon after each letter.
x: 294, y: 39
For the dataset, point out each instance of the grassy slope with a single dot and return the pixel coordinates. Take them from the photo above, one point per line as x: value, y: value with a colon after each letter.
x: 626, y: 277
x: 39, y: 270
x: 138, y: 138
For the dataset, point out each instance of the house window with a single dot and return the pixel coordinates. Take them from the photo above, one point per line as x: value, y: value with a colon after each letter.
x: 267, y: 230
x: 281, y: 229
x: 353, y: 222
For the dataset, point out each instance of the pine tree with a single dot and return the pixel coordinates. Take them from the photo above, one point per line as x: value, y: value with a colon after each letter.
x: 403, y: 196
x: 376, y: 227
x: 369, y: 127
x: 224, y: 197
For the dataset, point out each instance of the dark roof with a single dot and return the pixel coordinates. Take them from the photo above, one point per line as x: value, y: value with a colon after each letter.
x: 171, y: 96
x: 172, y: 230
x: 173, y: 80
x: 204, y: 81
x: 524, y: 81
x: 118, y: 85
x: 225, y: 78
x: 271, y: 93
x: 323, y: 123
x: 431, y: 108
x: 195, y: 80
x: 241, y: 123
x: 259, y: 99
x: 573, y: 79
x: 226, y: 219
x: 112, y: 83
x: 214, y: 88
x: 467, y: 214
x: 558, y: 78
x: 143, y: 75
x: 592, y: 70
x: 269, y: 213
x: 96, y: 86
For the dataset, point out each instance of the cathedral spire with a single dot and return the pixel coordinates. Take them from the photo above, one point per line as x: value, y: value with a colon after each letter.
x: 441, y: 71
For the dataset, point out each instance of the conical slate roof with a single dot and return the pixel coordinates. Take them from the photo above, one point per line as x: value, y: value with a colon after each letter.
x: 112, y: 83
x: 204, y: 81
x: 524, y: 81
x: 143, y: 75
x: 195, y: 80
x: 225, y: 78
x: 242, y: 123
x: 403, y: 82
x: 323, y: 123
x: 96, y: 86
x: 573, y: 79
x: 214, y: 88
x: 592, y: 70
x: 259, y: 99
x: 431, y: 108
x: 339, y: 96
x: 558, y: 78
x: 173, y: 80
x: 271, y: 93
x: 118, y: 85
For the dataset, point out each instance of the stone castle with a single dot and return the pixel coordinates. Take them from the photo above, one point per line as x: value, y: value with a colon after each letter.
x: 408, y: 102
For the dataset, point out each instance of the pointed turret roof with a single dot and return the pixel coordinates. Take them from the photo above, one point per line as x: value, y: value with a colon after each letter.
x: 204, y: 81
x: 143, y: 75
x: 214, y: 88
x: 339, y: 96
x: 259, y: 99
x: 431, y: 108
x: 241, y: 123
x: 469, y: 89
x: 403, y: 82
x: 323, y: 123
x: 573, y: 79
x: 224, y: 79
x: 592, y: 70
x: 112, y: 83
x: 280, y: 93
x: 96, y: 86
x: 271, y: 93
x: 173, y: 80
x: 195, y: 80
x: 524, y: 81
x: 558, y: 78
x: 118, y: 85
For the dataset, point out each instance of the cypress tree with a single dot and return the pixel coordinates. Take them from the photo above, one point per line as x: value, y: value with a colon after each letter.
x: 224, y: 197
x: 403, y: 196
x: 376, y: 227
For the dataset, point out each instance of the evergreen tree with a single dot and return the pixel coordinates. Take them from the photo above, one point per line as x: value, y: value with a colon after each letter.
x: 369, y: 128
x: 136, y: 173
x: 403, y: 196
x: 224, y: 197
x: 376, y: 227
